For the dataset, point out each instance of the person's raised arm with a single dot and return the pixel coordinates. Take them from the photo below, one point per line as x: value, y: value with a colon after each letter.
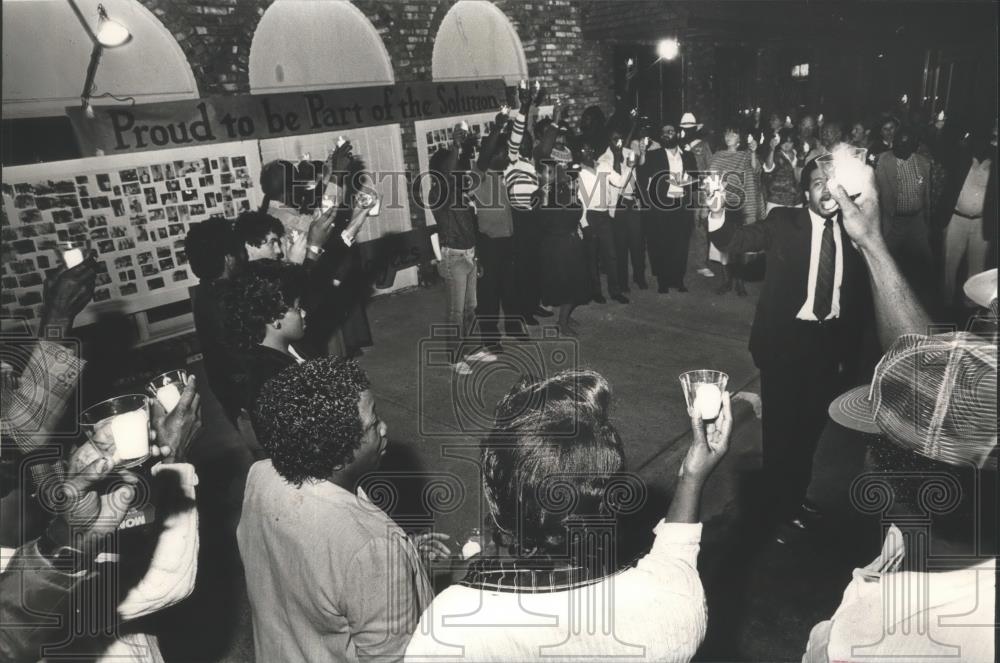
x: 708, y: 445
x: 491, y: 144
x: 520, y: 120
x: 897, y: 310
x: 753, y: 237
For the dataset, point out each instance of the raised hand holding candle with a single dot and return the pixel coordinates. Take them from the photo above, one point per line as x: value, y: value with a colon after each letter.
x: 72, y: 258
x: 120, y: 426
x: 166, y: 388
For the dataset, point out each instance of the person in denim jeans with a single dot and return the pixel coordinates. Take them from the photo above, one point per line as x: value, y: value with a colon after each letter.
x: 456, y: 220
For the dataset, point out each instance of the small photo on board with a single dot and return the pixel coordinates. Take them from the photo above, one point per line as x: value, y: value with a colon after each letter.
x: 33, y: 297
x: 62, y: 216
x: 98, y: 233
x: 133, y: 189
x: 210, y: 199
x: 97, y: 221
x: 77, y: 213
x: 189, y: 194
x: 172, y: 214
x: 188, y: 182
x: 156, y: 172
x: 226, y: 178
x: 145, y: 257
x: 100, y: 202
x: 118, y: 207
x: 150, y: 195
x: 29, y: 280
x: 154, y: 284
x: 206, y: 180
x: 169, y: 172
x: 168, y: 198
x: 126, y: 243
x: 224, y: 164
x: 85, y: 203
x: 83, y: 192
x: 157, y: 214
x: 82, y: 179
x: 239, y: 193
x: 197, y: 209
x: 128, y: 289
x: 24, y: 246
x: 102, y: 295
x: 239, y: 162
x: 106, y: 246
x: 141, y: 235
x: 119, y: 231
x: 182, y: 257
x: 102, y: 279
x: 161, y: 233
x: 174, y: 185
x: 135, y: 204
x: 24, y: 200
x: 128, y: 175
x: 27, y: 232
x: 175, y: 229
x: 122, y: 262
x: 126, y: 275
x: 180, y: 275
x: 144, y: 175
x: 31, y: 216
x: 137, y: 220
x: 163, y: 252
x: 183, y: 213
x: 43, y: 262
x: 167, y: 264
x: 104, y: 182
x: 149, y: 270
x: 116, y: 190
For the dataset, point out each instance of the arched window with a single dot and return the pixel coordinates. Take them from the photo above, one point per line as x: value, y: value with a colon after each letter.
x: 476, y: 40
x: 316, y: 44
x: 46, y: 51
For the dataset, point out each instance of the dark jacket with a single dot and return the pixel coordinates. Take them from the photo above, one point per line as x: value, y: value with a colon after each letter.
x: 786, y: 235
x: 263, y: 363
x: 223, y: 366
x: 653, y: 178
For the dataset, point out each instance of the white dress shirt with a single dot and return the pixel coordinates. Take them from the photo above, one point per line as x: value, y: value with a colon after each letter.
x: 676, y: 172
x: 818, y: 223
x: 599, y: 188
x: 970, y: 199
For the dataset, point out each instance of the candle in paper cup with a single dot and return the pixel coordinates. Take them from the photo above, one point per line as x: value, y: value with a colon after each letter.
x: 168, y: 395
x: 130, y: 432
x: 708, y: 400
x: 72, y: 257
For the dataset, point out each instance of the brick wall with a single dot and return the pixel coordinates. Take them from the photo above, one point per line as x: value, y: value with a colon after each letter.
x: 216, y: 35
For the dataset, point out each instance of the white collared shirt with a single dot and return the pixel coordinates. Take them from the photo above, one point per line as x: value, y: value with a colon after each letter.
x: 598, y: 189
x: 818, y: 223
x: 676, y: 172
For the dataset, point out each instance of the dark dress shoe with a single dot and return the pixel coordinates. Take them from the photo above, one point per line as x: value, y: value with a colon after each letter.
x: 599, y: 299
x: 542, y: 313
x: 620, y: 298
x: 642, y: 285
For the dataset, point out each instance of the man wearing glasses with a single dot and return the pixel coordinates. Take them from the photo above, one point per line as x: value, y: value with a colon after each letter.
x: 330, y: 576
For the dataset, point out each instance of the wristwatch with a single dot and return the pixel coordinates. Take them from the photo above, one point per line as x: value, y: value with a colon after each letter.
x: 318, y: 250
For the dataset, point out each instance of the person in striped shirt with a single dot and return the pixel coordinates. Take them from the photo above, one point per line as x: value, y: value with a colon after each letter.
x: 521, y: 179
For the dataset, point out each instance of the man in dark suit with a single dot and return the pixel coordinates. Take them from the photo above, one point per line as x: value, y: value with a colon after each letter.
x: 805, y: 331
x: 666, y: 179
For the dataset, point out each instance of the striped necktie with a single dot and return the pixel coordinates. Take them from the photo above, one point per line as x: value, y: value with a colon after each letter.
x: 823, y: 301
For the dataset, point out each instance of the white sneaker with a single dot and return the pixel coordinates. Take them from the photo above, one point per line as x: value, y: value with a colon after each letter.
x: 706, y: 272
x: 483, y: 355
x: 462, y: 368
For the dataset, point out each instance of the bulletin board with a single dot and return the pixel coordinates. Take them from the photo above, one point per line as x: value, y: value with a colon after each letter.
x: 433, y: 135
x: 134, y: 210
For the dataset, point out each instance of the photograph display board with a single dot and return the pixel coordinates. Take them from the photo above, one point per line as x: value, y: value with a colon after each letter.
x: 134, y: 210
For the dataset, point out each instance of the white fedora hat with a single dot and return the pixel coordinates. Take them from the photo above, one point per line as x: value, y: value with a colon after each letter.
x: 688, y: 121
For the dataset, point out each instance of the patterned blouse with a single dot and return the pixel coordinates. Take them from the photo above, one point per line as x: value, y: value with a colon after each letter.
x: 743, y: 191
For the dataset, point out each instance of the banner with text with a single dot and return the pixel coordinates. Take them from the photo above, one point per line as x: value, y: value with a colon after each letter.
x: 121, y: 129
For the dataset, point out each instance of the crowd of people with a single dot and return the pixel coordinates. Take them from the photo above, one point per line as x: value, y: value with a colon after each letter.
x: 531, y: 222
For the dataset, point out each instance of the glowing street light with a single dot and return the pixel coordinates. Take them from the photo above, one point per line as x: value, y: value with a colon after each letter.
x: 668, y: 49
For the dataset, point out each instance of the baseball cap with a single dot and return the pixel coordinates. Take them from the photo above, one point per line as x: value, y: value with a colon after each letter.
x: 933, y: 395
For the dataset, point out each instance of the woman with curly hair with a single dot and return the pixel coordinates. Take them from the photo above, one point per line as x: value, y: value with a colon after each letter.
x: 263, y: 319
